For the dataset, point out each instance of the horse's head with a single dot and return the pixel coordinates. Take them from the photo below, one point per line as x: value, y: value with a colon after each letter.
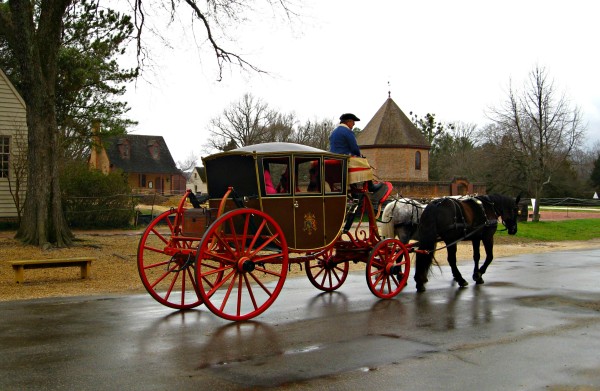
x: 508, y: 210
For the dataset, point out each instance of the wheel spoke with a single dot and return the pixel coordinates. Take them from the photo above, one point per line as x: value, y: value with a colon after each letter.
x: 267, y: 291
x: 267, y: 271
x: 163, y: 276
x: 229, y: 289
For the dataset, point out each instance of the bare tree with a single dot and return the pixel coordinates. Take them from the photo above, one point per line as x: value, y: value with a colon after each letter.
x: 314, y: 133
x: 244, y: 122
x: 281, y: 128
x: 18, y: 169
x: 251, y: 121
x: 189, y: 163
x: 542, y: 128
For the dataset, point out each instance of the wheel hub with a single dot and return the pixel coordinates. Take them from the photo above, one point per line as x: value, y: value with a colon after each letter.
x: 246, y: 265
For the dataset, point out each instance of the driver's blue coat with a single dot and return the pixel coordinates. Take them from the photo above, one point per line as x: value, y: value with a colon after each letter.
x: 342, y: 141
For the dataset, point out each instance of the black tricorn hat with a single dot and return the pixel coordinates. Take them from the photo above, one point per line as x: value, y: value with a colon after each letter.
x: 347, y: 116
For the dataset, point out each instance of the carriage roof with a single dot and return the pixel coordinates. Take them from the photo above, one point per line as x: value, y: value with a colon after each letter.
x: 242, y: 168
x: 275, y: 148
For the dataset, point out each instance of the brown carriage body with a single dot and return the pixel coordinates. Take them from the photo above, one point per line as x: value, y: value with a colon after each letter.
x: 310, y: 212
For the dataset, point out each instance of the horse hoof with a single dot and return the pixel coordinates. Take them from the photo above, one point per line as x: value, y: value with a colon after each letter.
x: 462, y: 283
x: 479, y: 281
x: 421, y: 288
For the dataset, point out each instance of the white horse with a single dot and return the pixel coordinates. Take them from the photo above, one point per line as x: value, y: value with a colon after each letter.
x: 400, y: 219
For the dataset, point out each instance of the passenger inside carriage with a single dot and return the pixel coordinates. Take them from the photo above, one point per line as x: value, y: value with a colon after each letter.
x: 269, y: 187
x: 274, y: 172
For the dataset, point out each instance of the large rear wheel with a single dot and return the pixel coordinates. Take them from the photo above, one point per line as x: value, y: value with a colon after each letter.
x: 388, y: 268
x: 166, y: 263
x: 242, y: 263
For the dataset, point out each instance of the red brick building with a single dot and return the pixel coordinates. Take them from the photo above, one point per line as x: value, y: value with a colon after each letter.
x: 145, y: 160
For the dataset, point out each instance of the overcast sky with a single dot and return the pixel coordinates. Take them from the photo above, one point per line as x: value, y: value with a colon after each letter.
x: 451, y: 58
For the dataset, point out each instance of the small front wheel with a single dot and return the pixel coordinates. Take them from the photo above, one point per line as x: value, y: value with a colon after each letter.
x: 324, y: 274
x: 241, y: 264
x: 388, y: 268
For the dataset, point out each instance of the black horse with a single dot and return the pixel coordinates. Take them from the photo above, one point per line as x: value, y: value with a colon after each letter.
x: 452, y: 220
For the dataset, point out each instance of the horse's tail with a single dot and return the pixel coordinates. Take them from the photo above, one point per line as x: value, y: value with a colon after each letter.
x: 427, y: 234
x: 386, y: 227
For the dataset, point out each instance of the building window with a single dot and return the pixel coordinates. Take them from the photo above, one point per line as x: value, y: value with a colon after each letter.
x: 150, y: 185
x: 418, y: 160
x: 143, y: 180
x: 4, y: 156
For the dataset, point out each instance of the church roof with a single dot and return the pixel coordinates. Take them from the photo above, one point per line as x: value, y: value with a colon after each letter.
x: 391, y: 127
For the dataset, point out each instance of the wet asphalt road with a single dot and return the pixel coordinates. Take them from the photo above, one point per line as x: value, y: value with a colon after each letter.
x: 534, y: 325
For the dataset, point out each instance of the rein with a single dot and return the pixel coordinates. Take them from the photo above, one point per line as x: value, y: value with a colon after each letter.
x: 477, y: 229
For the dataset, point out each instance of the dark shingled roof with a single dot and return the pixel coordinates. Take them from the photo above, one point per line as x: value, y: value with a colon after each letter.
x: 391, y: 127
x: 140, y: 159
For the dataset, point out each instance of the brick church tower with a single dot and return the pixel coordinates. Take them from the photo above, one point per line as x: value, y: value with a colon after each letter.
x: 394, y: 146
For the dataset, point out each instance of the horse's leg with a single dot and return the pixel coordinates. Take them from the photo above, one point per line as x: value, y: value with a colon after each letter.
x: 452, y: 262
x: 403, y: 234
x: 476, y: 257
x: 488, y: 245
x: 422, y: 265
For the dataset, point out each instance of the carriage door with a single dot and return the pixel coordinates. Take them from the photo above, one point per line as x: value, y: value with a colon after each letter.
x: 309, y: 219
x: 277, y: 198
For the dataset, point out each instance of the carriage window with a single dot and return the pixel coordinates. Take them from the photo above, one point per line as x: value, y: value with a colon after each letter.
x: 276, y: 176
x: 333, y: 175
x: 418, y: 160
x: 308, y: 175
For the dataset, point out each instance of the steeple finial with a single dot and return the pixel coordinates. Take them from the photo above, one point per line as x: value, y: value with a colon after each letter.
x: 389, y: 92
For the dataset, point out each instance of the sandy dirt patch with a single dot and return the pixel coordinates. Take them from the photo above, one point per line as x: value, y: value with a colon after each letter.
x: 115, y: 270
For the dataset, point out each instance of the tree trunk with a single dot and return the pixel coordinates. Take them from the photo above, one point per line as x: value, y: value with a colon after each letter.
x: 43, y: 219
x: 36, y: 47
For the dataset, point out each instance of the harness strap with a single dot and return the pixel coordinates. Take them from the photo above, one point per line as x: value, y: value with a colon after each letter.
x: 459, y: 211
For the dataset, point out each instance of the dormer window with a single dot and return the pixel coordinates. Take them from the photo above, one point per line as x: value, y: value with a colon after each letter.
x: 124, y: 148
x: 154, y: 149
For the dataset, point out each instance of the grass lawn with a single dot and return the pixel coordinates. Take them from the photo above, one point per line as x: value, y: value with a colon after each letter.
x: 552, y: 231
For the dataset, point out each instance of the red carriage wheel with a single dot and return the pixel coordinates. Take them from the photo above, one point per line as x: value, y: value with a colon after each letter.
x: 242, y: 262
x: 388, y: 268
x: 166, y: 263
x: 324, y: 274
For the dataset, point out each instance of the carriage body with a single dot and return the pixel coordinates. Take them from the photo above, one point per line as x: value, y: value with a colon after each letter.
x: 307, y: 195
x: 269, y: 205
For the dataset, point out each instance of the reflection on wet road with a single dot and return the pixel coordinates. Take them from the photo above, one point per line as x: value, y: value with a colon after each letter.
x: 535, y: 324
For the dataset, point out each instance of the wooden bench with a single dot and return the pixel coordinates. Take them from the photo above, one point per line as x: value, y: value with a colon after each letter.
x: 19, y: 266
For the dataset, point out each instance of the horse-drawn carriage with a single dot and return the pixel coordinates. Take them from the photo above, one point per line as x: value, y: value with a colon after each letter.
x: 269, y: 206
x: 276, y: 204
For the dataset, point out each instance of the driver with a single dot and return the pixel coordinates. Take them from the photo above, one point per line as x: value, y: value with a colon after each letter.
x: 342, y: 140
